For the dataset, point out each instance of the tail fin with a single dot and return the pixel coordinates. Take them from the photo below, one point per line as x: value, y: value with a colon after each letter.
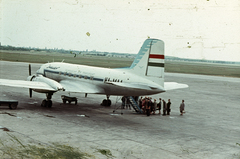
x: 150, y: 61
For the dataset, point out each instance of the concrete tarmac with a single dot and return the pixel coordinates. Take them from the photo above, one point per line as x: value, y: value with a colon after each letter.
x: 209, y: 129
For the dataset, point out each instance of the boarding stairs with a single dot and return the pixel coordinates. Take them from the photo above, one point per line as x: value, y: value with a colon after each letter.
x: 134, y: 104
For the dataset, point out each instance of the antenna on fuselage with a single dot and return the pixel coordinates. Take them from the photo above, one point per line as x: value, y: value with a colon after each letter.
x: 63, y: 60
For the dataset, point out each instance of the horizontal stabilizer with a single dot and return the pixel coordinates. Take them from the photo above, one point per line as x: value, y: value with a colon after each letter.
x: 26, y: 84
x: 174, y: 85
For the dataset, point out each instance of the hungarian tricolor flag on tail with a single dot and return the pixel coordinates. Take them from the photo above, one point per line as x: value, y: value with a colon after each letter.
x: 150, y: 61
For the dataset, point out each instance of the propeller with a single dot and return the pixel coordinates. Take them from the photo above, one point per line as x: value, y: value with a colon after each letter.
x: 29, y: 71
x: 30, y: 92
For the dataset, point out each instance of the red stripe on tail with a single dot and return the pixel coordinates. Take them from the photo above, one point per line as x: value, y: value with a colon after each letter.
x: 156, y: 56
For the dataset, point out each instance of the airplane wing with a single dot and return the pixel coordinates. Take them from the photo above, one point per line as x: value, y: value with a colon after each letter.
x: 26, y: 84
x: 174, y: 85
x: 77, y: 87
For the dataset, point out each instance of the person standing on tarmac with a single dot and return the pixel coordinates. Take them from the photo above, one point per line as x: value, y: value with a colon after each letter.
x: 140, y: 102
x: 128, y: 104
x: 160, y: 105
x: 168, y: 107
x: 164, y: 107
x: 154, y: 106
x: 182, y: 106
x: 123, y: 102
x: 144, y: 103
x: 148, y: 107
x: 150, y: 104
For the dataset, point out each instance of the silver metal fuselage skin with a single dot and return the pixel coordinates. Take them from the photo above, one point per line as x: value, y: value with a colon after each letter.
x: 102, y: 78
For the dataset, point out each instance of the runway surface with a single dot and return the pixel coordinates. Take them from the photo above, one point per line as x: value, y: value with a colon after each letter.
x: 209, y: 129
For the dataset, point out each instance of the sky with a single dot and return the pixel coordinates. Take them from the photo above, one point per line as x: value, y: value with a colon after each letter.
x: 196, y: 29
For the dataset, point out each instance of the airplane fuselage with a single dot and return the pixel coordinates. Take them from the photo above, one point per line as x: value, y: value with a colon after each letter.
x: 99, y: 77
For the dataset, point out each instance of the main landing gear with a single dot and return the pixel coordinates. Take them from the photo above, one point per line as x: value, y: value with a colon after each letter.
x: 106, y: 102
x: 47, y: 102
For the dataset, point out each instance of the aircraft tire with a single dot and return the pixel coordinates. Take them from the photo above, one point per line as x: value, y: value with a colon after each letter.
x: 109, y: 102
x: 49, y: 104
x: 104, y: 102
x: 44, y: 103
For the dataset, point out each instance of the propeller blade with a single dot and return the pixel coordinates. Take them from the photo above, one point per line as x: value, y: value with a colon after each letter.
x: 29, y: 69
x: 30, y: 92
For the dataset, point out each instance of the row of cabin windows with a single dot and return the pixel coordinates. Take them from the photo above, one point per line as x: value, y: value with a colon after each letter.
x: 86, y: 77
x: 74, y: 75
x: 114, y: 80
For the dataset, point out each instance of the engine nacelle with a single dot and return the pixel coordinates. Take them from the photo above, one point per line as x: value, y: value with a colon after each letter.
x: 39, y: 78
x: 30, y: 78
